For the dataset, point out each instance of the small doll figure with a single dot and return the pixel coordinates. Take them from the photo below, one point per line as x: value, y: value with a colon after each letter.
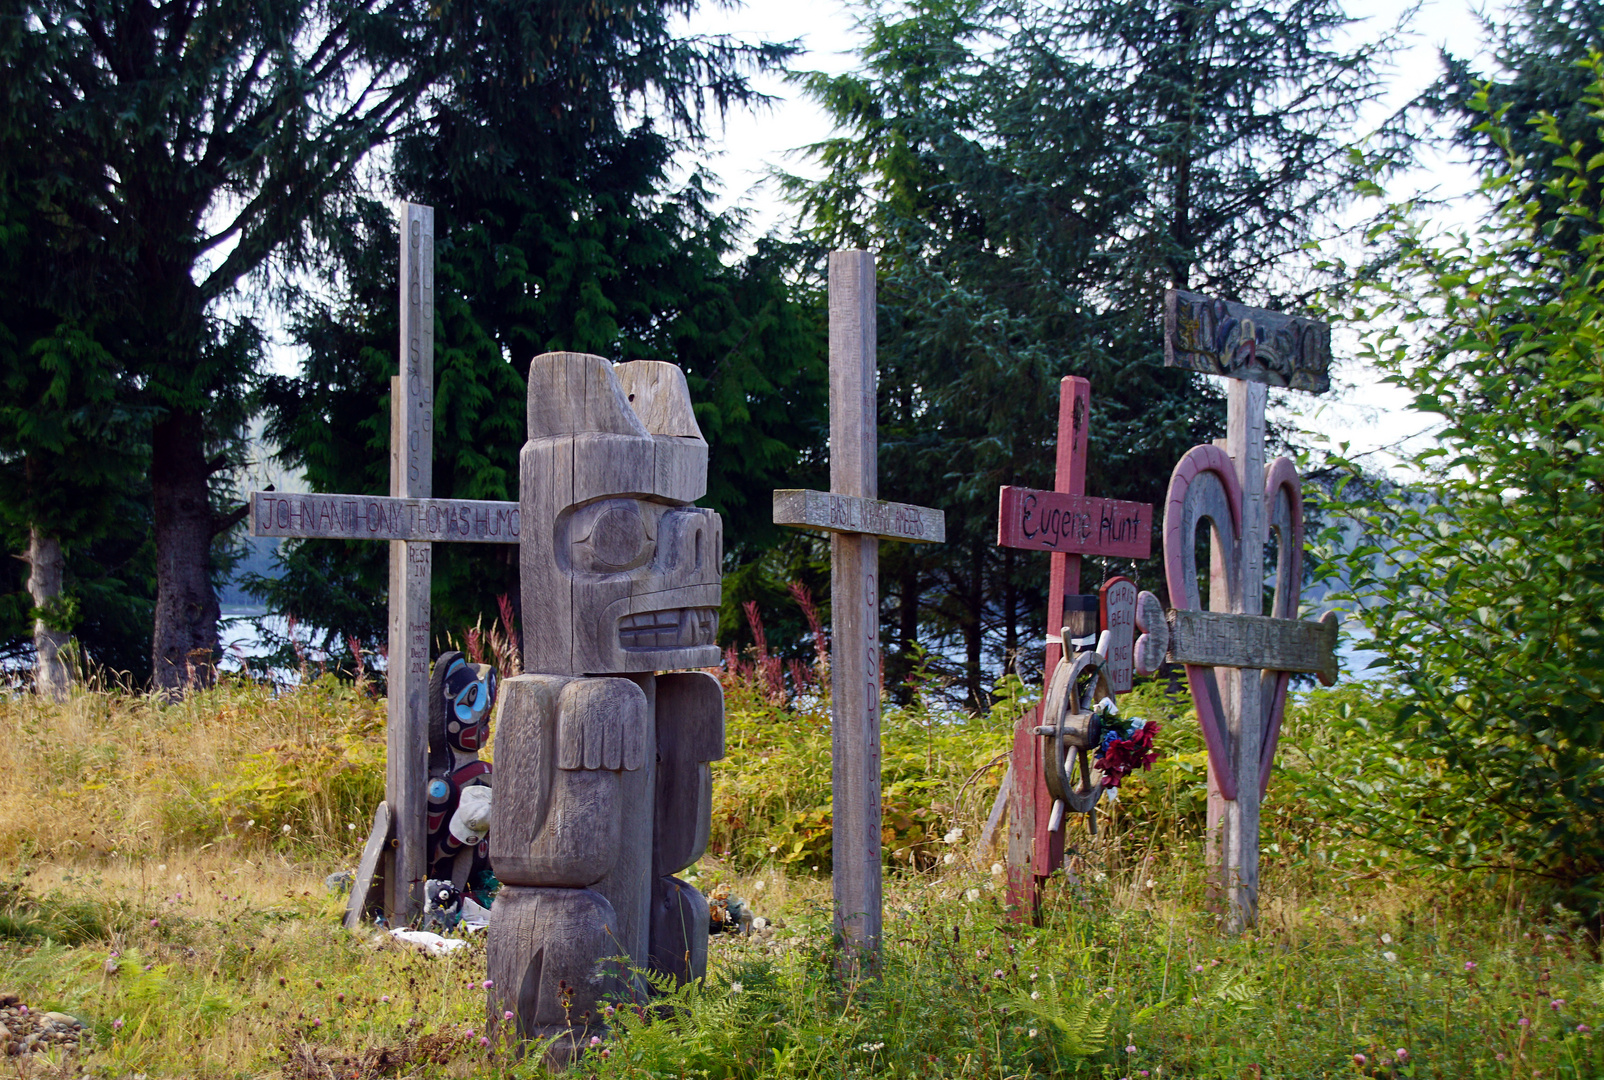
x: 461, y: 697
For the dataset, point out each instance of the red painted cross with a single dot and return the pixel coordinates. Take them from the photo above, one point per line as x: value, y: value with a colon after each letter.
x: 1068, y: 524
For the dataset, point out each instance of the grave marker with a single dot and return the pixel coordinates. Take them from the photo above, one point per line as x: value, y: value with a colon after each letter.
x: 1069, y: 524
x: 411, y: 521
x: 1241, y: 499
x: 852, y: 513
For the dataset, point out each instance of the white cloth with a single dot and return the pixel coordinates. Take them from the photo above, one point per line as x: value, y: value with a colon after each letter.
x: 433, y: 944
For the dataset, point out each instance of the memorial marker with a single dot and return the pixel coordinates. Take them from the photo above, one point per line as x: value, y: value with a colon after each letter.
x: 856, y: 520
x: 411, y: 521
x: 1241, y: 499
x: 1069, y: 524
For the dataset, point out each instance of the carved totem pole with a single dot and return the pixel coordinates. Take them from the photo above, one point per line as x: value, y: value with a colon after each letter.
x: 603, y: 789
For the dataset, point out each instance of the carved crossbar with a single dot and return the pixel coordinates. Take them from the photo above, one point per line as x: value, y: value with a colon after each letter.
x: 829, y: 512
x: 1218, y: 639
x: 376, y: 517
x: 1073, y: 524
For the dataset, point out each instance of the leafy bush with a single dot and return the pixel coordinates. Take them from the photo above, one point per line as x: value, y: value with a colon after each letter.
x: 1481, y: 569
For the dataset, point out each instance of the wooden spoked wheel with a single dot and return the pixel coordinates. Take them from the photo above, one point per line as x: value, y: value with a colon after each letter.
x: 1072, y: 732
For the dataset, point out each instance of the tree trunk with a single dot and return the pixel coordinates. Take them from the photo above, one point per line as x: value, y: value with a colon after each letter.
x: 184, y: 648
x: 51, y: 675
x: 1010, y: 615
x: 974, y: 628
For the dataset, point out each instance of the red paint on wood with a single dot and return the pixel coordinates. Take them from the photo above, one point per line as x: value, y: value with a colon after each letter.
x: 1073, y: 524
x: 1116, y: 605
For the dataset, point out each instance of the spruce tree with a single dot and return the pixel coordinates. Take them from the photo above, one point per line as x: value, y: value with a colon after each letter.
x: 559, y: 226
x: 1033, y: 177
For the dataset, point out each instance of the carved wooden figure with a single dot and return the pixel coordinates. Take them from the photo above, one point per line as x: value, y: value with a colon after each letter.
x: 461, y: 696
x: 603, y: 786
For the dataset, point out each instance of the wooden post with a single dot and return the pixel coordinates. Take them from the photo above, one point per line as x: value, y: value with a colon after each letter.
x: 856, y: 519
x: 411, y: 477
x: 1066, y: 527
x: 855, y: 610
x: 1245, y: 444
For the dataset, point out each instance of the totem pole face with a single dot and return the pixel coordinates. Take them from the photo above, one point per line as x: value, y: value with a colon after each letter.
x: 620, y: 572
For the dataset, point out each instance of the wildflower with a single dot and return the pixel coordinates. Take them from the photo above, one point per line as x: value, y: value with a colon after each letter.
x: 773, y: 848
x: 1401, y: 1053
x: 285, y: 830
x: 997, y: 974
x: 606, y: 1052
x: 1359, y: 1060
x: 469, y: 1033
x: 316, y: 1022
x: 1500, y: 1057
x: 972, y: 895
x: 350, y: 827
x: 1582, y: 1029
x: 736, y: 988
x: 595, y: 1040
x: 1198, y: 968
x: 162, y: 868
x: 996, y: 869
x: 117, y: 1024
x: 759, y: 884
x: 953, y: 836
x: 1524, y: 1022
x: 1032, y: 1033
x: 1131, y: 1049
x: 251, y: 824
x: 1151, y: 883
x: 507, y: 1015
x: 1390, y: 957
x: 1557, y: 1004
x: 155, y: 923
x: 385, y: 999
x: 484, y: 1040
x: 950, y: 858
x: 1035, y: 995
x: 1033, y: 976
x: 1471, y: 965
x: 487, y: 984
x: 1386, y: 939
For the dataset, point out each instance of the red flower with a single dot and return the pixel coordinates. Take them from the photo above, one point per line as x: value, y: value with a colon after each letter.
x: 1125, y: 756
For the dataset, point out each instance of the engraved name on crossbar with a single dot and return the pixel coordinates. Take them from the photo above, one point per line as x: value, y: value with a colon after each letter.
x: 376, y: 517
x: 851, y: 514
x: 1218, y: 639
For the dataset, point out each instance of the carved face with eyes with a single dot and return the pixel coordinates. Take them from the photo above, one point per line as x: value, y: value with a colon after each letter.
x: 620, y: 573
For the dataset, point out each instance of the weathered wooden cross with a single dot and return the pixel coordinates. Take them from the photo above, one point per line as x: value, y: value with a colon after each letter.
x: 856, y: 520
x: 1242, y: 500
x: 1070, y: 525
x: 411, y: 521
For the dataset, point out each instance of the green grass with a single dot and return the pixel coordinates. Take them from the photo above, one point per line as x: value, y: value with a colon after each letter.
x: 229, y: 960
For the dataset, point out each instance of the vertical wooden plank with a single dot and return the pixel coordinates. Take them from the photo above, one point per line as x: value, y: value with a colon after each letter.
x: 855, y: 613
x: 1216, y: 879
x: 1245, y: 439
x: 1047, y: 848
x: 411, y: 477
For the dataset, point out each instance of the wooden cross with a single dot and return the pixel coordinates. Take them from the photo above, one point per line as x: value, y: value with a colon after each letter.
x: 411, y: 521
x: 1242, y: 500
x: 856, y: 520
x: 1070, y: 525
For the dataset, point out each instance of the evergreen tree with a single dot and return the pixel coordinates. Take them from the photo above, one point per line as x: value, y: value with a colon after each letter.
x: 1033, y: 177
x: 187, y: 145
x: 558, y: 227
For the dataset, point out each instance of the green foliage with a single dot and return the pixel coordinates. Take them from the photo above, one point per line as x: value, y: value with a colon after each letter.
x: 1032, y: 176
x: 1481, y: 568
x: 560, y: 225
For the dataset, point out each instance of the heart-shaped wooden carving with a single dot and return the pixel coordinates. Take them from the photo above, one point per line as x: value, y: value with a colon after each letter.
x: 1204, y: 487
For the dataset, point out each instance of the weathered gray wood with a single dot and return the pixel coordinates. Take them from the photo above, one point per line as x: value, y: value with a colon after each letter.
x: 855, y: 612
x: 411, y: 477
x: 830, y: 512
x: 1221, y: 337
x: 555, y: 822
x: 374, y: 517
x: 1153, y: 646
x: 999, y: 807
x: 619, y: 572
x: 627, y: 885
x: 538, y: 939
x: 1245, y: 434
x: 680, y: 921
x: 367, y: 886
x: 1254, y: 641
x: 690, y: 734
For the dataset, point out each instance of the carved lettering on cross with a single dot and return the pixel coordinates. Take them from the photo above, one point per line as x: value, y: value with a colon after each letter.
x: 857, y: 520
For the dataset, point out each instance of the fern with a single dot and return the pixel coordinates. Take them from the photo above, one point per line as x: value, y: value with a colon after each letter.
x: 1081, y: 1027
